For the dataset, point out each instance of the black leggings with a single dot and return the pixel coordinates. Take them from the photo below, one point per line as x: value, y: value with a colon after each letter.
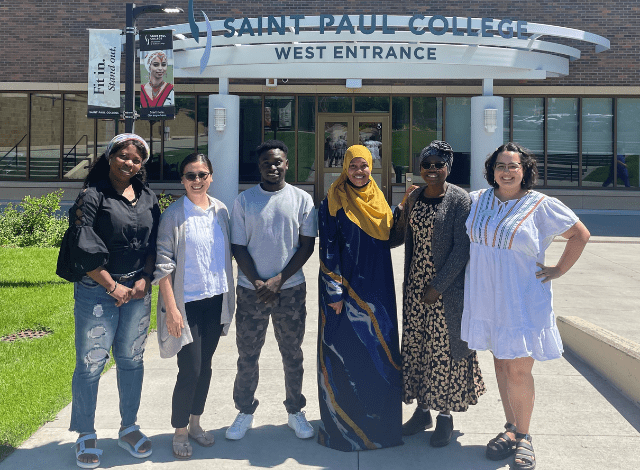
x: 194, y: 360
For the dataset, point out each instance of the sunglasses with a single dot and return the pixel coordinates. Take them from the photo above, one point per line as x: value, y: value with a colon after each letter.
x: 436, y: 165
x: 203, y: 175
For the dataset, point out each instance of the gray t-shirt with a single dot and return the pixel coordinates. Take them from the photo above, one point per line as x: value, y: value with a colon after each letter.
x: 269, y: 224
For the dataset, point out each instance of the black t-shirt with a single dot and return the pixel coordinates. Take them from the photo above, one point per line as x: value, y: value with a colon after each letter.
x: 432, y: 201
x: 112, y: 231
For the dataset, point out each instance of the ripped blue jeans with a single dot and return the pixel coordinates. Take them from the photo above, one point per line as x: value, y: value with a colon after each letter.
x: 101, y: 326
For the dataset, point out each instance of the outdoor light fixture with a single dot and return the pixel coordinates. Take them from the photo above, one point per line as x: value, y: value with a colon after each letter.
x: 132, y: 13
x: 272, y: 82
x: 490, y: 120
x: 354, y: 83
x: 219, y: 118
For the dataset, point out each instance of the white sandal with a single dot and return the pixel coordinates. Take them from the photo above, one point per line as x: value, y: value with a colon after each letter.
x: 133, y: 450
x: 81, y: 449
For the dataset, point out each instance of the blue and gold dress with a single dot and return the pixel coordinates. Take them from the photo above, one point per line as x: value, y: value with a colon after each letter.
x: 359, y: 363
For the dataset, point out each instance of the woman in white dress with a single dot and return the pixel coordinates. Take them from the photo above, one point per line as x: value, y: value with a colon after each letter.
x: 508, y: 303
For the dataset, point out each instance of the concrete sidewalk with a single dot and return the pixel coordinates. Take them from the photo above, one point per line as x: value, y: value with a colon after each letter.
x: 579, y: 422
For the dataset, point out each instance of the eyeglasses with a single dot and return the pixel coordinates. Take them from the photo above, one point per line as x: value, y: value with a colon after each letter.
x: 436, y: 165
x: 510, y: 167
x: 203, y: 175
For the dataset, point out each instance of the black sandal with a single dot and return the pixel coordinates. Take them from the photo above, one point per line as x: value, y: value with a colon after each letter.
x: 502, y: 446
x: 524, y: 452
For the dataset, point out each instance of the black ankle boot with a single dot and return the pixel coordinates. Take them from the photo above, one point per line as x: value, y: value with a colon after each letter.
x: 420, y: 421
x: 444, y: 429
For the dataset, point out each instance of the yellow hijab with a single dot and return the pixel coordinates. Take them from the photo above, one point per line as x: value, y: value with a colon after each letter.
x: 365, y: 207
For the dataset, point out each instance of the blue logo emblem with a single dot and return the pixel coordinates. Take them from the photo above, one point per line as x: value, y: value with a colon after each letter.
x: 195, y: 32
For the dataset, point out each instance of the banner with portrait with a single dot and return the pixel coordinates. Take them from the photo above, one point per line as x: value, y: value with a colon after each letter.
x: 105, y: 49
x: 157, y: 99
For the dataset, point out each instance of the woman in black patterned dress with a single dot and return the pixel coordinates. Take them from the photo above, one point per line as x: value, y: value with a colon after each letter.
x: 439, y: 370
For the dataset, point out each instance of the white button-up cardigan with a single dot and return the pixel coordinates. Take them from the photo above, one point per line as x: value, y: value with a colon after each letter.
x: 170, y: 258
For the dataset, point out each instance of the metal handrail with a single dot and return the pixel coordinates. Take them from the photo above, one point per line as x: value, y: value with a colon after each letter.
x: 15, y: 147
x: 75, y: 151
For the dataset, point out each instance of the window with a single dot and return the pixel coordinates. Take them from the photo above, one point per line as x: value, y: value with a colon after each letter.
x: 203, y: 124
x: 78, y: 137
x: 279, y: 124
x: 13, y: 138
x: 306, y: 138
x: 528, y: 127
x: 562, y: 142
x: 46, y: 116
x: 458, y: 135
x: 250, y: 137
x: 427, y: 125
x: 334, y: 104
x: 400, y: 138
x: 628, y: 121
x: 371, y: 104
x: 506, y: 121
x: 178, y: 136
x: 597, y: 140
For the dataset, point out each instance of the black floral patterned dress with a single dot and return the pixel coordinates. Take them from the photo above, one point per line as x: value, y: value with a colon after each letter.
x: 430, y: 374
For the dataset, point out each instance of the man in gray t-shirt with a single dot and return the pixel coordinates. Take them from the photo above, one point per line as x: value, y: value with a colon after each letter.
x: 273, y: 230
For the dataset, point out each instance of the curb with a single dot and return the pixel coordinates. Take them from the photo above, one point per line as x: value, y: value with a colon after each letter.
x: 615, y: 358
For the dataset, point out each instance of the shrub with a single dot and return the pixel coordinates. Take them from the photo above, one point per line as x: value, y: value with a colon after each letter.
x: 9, y: 225
x: 33, y: 222
x: 164, y: 201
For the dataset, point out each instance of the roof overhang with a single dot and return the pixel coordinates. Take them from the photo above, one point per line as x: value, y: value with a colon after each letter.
x: 375, y: 47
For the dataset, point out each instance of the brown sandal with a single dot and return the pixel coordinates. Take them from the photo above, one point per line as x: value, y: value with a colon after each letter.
x: 204, y: 439
x: 178, y: 446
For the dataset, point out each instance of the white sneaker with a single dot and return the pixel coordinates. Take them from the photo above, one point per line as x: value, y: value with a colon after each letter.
x: 239, y: 427
x: 298, y: 422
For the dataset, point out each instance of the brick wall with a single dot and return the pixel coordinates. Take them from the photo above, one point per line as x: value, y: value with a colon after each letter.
x: 47, y: 41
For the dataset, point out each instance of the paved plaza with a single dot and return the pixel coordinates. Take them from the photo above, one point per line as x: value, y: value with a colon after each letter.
x: 580, y: 421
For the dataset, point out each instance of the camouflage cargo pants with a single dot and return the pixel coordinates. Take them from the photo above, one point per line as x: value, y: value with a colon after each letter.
x: 288, y: 314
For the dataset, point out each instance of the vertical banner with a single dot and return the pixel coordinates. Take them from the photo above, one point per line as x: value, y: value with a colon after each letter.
x: 105, y: 48
x: 156, y: 75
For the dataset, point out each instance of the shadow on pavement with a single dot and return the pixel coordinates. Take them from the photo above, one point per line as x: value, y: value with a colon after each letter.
x: 622, y: 404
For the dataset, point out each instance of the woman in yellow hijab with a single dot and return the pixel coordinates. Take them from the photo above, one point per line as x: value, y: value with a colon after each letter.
x: 359, y: 364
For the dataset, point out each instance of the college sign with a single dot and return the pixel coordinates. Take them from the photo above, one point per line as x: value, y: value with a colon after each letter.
x: 375, y: 47
x: 418, y: 25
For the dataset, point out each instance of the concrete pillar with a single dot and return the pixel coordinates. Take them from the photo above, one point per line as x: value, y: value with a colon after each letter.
x: 223, y: 86
x: 484, y: 142
x: 224, y: 149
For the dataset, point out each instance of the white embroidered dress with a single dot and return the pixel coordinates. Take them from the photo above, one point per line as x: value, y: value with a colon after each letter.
x: 506, y: 309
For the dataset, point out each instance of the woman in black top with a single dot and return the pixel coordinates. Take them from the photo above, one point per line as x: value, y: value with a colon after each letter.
x: 112, y: 240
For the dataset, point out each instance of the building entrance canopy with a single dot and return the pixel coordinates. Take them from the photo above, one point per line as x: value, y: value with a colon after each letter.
x: 376, y: 47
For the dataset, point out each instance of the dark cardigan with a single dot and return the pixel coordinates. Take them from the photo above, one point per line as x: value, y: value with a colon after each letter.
x: 450, y: 248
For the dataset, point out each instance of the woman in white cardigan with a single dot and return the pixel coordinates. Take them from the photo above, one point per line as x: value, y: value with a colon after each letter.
x: 196, y: 302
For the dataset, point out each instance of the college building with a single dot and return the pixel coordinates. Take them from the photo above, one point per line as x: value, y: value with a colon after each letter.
x: 560, y: 78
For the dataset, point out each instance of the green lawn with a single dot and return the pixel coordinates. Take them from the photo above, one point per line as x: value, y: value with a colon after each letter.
x: 35, y: 375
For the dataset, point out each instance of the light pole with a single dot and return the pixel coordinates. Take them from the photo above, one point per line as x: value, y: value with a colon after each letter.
x: 130, y: 55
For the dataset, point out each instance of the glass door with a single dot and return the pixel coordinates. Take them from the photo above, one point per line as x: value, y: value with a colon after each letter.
x: 339, y: 132
x: 373, y: 133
